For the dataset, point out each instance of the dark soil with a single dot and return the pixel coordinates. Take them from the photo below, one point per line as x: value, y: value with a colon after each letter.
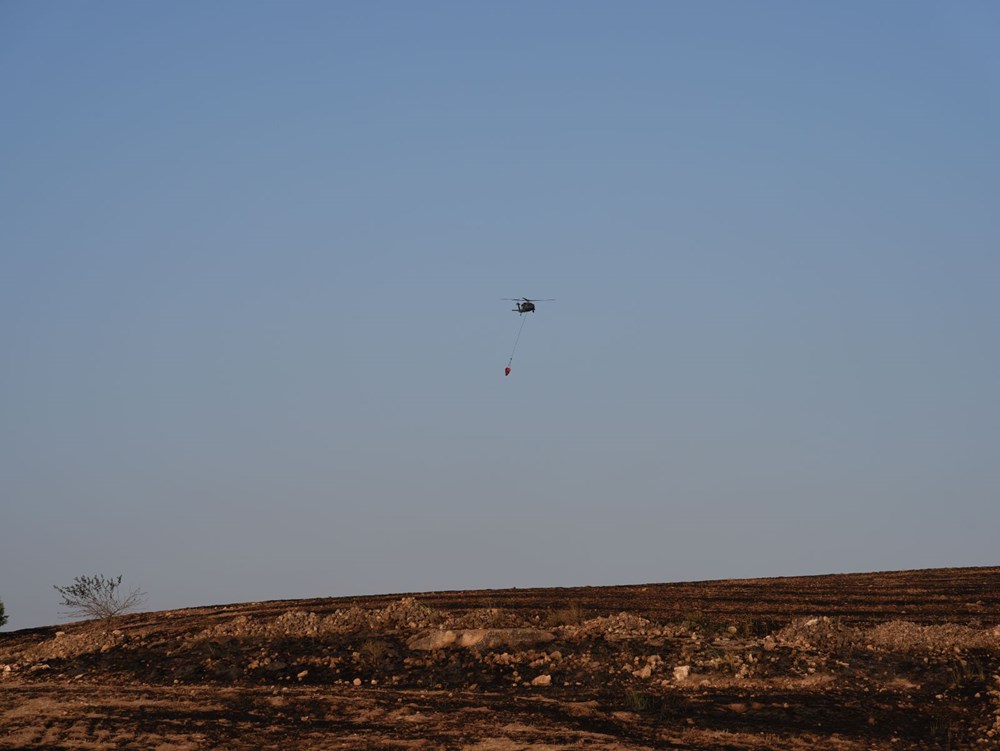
x: 900, y: 660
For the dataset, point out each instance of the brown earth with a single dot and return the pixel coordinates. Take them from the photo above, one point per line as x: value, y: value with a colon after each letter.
x: 900, y: 660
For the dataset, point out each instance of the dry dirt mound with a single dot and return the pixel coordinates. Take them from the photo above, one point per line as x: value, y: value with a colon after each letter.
x: 486, y: 618
x: 832, y: 634
x: 90, y: 639
x: 620, y: 626
x: 903, y: 636
x: 406, y: 614
x: 817, y: 633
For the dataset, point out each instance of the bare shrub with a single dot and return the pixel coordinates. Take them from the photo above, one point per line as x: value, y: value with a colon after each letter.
x: 640, y: 701
x: 751, y: 627
x: 373, y: 653
x: 98, y: 597
x: 571, y: 615
x: 693, y: 619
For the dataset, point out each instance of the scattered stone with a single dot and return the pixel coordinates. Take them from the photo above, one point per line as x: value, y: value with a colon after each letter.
x: 541, y: 680
x: 681, y: 672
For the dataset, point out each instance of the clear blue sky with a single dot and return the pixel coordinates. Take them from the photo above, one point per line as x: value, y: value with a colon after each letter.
x: 251, y: 262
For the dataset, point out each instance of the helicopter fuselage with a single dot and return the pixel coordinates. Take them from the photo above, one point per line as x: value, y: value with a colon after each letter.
x: 525, y: 307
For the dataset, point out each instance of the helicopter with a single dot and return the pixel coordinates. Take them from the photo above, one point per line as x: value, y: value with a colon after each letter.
x: 527, y: 306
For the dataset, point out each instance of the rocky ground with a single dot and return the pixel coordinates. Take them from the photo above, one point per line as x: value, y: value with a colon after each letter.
x: 901, y: 660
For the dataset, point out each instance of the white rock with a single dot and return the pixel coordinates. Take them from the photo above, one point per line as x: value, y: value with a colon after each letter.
x: 681, y: 672
x: 432, y: 639
x: 483, y: 638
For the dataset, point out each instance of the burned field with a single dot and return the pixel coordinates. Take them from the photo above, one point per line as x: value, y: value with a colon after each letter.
x: 869, y: 661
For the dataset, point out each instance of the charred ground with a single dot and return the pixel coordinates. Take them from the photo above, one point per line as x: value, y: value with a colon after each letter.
x: 863, y: 661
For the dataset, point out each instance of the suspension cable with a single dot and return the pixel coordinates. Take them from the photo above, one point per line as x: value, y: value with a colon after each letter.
x: 524, y: 317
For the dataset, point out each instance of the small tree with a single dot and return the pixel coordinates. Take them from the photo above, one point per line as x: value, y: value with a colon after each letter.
x: 3, y: 618
x: 97, y: 597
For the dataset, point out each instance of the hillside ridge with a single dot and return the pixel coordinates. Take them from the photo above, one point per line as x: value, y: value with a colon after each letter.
x: 883, y: 660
